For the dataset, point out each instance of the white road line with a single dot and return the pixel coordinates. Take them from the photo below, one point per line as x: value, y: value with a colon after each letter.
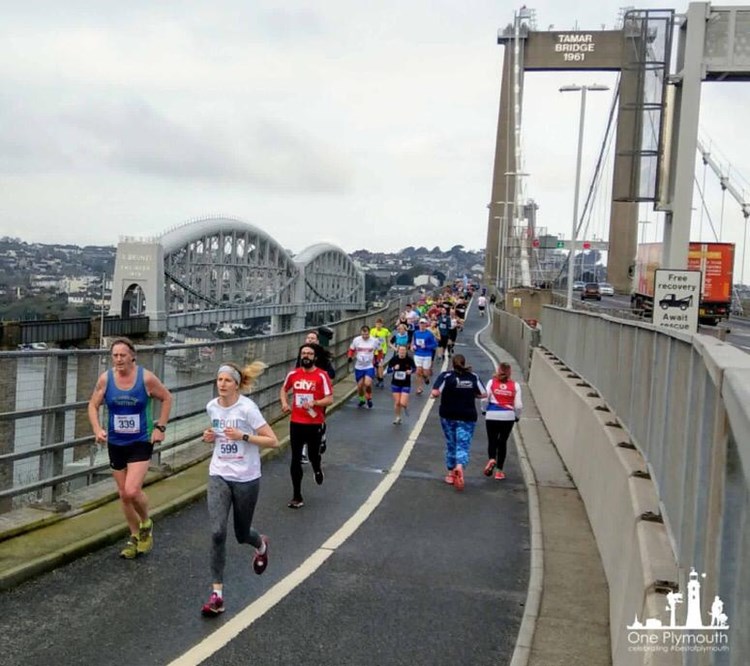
x: 229, y: 631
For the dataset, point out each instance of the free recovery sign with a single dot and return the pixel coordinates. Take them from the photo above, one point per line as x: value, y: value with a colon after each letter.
x: 677, y: 295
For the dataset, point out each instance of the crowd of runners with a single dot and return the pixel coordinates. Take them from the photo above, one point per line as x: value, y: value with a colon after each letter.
x: 401, y: 357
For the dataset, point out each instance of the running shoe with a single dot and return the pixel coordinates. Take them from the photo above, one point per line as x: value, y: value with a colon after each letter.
x: 499, y: 475
x: 130, y: 552
x: 361, y: 402
x: 369, y: 404
x: 397, y: 420
x: 260, y: 562
x: 146, y: 537
x: 319, y: 476
x: 296, y: 504
x: 459, y: 482
x: 450, y: 479
x: 489, y: 467
x: 214, y: 606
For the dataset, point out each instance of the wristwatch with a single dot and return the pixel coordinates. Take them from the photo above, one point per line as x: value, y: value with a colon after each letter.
x: 245, y: 437
x: 160, y: 427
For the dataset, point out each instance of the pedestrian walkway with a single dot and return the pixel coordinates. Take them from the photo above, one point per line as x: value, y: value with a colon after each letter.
x: 566, y: 589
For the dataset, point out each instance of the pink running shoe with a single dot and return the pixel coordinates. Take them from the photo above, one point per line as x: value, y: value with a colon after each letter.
x: 214, y: 606
x: 458, y: 484
x: 260, y: 562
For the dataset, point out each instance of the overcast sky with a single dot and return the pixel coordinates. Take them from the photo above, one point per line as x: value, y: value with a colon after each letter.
x: 362, y: 124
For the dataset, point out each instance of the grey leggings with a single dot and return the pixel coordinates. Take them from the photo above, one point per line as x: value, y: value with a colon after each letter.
x: 242, y: 497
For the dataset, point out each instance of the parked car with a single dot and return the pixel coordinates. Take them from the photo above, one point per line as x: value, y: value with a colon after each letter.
x: 578, y: 285
x: 591, y: 290
x: 606, y: 289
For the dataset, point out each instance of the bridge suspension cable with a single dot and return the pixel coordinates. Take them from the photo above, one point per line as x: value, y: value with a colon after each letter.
x: 728, y: 183
x: 604, y: 151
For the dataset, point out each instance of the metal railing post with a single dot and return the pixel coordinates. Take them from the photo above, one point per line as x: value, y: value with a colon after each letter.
x: 53, y: 424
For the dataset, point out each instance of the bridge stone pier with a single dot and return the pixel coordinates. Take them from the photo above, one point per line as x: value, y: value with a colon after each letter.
x: 138, y: 282
x: 215, y: 270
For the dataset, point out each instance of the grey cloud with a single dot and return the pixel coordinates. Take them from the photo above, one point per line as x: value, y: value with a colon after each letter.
x: 135, y: 138
x: 28, y: 141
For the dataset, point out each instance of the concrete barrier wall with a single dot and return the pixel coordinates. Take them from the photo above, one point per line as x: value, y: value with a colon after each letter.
x: 516, y: 336
x: 684, y: 403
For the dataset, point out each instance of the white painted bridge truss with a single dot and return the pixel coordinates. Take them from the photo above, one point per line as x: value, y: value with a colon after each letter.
x: 221, y: 269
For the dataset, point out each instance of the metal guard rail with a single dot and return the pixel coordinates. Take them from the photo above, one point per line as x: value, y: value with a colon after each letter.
x: 57, y: 414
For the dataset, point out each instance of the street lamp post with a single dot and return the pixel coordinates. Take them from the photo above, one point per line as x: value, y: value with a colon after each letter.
x: 500, y: 240
x: 746, y: 214
x: 499, y: 246
x: 508, y: 227
x: 574, y: 231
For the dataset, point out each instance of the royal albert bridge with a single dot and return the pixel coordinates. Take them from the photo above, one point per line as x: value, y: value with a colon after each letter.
x: 222, y: 269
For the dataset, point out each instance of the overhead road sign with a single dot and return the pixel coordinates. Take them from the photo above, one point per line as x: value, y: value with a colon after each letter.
x: 601, y: 246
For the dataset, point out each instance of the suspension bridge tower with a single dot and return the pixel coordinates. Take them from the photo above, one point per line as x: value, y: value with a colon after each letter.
x: 640, y: 52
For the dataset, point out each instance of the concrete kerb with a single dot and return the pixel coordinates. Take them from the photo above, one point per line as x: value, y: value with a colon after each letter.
x: 45, y: 519
x: 70, y: 552
x: 525, y: 638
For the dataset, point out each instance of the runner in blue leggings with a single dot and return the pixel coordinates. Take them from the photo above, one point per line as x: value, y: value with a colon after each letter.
x: 458, y: 390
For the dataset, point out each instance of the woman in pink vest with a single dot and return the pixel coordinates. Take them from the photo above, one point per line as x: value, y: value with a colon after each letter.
x: 504, y: 407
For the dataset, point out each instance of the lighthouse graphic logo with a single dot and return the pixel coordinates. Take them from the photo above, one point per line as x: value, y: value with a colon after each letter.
x: 694, y: 618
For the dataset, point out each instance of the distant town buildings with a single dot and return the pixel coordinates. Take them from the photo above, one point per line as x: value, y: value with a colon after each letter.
x: 68, y: 272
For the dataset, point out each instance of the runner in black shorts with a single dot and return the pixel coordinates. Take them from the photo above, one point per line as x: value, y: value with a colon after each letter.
x: 128, y: 391
x: 444, y: 327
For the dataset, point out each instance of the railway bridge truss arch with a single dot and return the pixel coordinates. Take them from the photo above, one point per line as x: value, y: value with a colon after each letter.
x: 214, y: 270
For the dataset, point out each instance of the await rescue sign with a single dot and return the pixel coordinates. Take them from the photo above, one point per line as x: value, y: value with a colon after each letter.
x: 677, y: 295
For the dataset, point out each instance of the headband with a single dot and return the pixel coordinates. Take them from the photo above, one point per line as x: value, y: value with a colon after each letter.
x: 228, y: 369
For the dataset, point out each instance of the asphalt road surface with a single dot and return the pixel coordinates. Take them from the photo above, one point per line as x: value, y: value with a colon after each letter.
x: 431, y: 576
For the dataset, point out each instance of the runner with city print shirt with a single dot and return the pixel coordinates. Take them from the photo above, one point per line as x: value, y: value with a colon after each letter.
x: 311, y: 393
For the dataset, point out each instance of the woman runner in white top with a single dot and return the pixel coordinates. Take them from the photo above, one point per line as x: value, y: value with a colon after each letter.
x: 238, y: 431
